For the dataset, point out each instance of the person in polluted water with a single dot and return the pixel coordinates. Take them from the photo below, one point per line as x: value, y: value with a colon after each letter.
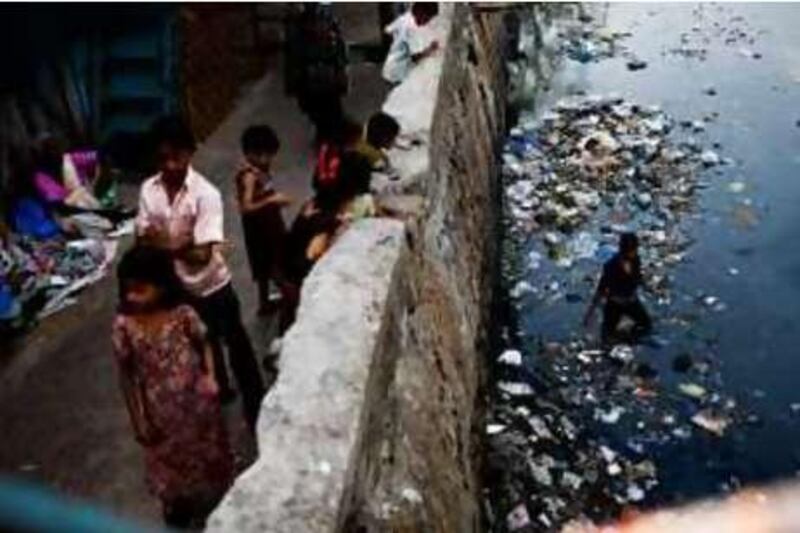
x: 618, y: 286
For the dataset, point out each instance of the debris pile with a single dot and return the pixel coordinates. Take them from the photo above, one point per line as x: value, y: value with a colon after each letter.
x: 596, y: 166
x: 576, y: 432
x: 585, y: 42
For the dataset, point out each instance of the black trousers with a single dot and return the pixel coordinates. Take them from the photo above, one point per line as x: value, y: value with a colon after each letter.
x: 613, y: 313
x: 223, y: 317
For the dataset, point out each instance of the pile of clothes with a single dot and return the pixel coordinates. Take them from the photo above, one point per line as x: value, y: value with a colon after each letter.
x: 41, y: 268
x: 37, y: 278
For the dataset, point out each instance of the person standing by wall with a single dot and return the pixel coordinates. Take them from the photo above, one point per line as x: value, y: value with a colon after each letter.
x: 166, y: 373
x: 181, y: 211
x: 265, y: 233
x: 413, y: 40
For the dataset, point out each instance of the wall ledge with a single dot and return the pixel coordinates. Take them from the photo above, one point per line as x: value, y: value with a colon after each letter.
x: 309, y: 431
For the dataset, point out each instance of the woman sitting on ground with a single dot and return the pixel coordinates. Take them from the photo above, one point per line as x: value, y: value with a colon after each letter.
x: 64, y: 180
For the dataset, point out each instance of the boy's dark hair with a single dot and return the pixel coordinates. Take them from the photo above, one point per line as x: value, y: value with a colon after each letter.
x: 381, y: 130
x: 426, y: 9
x: 628, y: 242
x: 174, y: 132
x: 260, y: 139
x: 148, y: 264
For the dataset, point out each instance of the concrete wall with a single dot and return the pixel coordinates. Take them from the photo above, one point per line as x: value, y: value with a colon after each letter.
x: 374, y: 422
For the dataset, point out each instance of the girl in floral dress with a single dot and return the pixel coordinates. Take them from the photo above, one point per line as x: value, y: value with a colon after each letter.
x: 167, y: 379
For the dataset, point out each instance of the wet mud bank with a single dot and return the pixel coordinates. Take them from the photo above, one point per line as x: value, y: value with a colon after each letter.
x: 376, y: 420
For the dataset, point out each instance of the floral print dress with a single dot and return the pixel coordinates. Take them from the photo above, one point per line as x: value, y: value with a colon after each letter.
x: 192, y: 456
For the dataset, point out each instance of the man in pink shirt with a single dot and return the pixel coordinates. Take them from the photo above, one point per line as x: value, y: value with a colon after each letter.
x: 181, y: 211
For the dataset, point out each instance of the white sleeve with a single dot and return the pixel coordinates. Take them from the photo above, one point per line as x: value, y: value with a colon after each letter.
x: 143, y: 221
x: 209, y: 226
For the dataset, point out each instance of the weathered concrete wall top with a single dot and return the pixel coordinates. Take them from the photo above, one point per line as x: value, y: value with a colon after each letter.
x: 310, y: 424
x: 372, y: 425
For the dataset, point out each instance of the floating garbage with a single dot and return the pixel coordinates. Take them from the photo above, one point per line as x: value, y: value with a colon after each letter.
x: 585, y: 44
x: 736, y: 187
x: 582, y: 246
x: 534, y: 260
x: 644, y: 200
x: 750, y: 54
x: 710, y: 158
x: 494, y: 429
x: 521, y: 288
x: 515, y: 389
x: 711, y: 422
x: 692, y: 390
x: 611, y: 416
x: 518, y: 518
x: 586, y: 443
x: 635, y: 493
x: 636, y: 64
x: 621, y: 352
x: 511, y: 357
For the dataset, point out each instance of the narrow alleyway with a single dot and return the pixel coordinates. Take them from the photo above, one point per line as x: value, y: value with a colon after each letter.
x: 60, y: 407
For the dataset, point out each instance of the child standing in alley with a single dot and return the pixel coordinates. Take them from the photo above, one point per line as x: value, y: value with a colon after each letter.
x: 260, y: 206
x: 167, y: 379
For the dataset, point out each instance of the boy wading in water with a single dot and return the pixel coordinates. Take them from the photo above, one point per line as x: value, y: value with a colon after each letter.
x: 180, y: 211
x: 260, y: 206
x: 622, y: 276
x: 167, y: 379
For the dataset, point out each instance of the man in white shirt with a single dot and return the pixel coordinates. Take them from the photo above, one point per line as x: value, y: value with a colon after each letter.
x: 181, y: 211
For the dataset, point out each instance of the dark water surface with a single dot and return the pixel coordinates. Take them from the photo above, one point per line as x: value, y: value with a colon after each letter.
x: 755, y: 232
